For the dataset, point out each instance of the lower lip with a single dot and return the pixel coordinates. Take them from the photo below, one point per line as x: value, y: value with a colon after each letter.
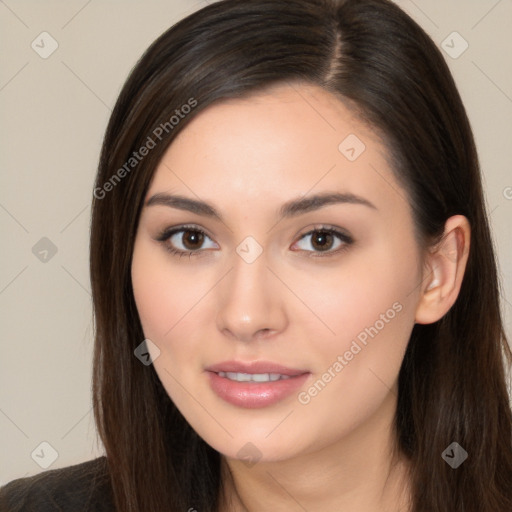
x: 253, y: 395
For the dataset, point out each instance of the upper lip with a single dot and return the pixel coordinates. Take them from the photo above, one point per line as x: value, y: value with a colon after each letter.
x: 254, y: 367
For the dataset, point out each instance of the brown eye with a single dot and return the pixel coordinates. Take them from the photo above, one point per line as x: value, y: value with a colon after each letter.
x: 186, y: 240
x: 192, y: 240
x: 322, y: 240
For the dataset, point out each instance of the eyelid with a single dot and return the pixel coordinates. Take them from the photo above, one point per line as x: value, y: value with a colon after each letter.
x: 324, y: 227
x: 168, y: 232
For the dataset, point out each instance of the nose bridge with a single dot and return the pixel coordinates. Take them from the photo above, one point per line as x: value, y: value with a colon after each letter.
x: 250, y: 302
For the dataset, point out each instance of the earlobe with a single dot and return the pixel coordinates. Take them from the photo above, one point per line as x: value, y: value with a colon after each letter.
x: 444, y: 271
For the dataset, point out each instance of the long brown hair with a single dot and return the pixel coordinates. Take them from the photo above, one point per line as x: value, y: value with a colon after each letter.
x: 370, y: 54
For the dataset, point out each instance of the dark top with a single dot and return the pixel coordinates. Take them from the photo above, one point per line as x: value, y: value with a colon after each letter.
x: 83, y: 487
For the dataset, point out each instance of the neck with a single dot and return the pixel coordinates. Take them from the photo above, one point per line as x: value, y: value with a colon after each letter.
x: 362, y: 472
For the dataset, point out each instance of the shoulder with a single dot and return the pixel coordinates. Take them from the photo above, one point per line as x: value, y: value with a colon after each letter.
x: 84, y: 487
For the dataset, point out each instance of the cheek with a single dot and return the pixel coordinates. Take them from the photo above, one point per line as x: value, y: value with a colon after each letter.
x: 378, y: 319
x: 369, y: 293
x: 162, y: 296
x: 174, y: 306
x: 371, y: 311
x: 165, y: 302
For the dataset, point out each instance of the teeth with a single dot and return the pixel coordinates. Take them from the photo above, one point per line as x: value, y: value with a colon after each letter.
x: 253, y: 377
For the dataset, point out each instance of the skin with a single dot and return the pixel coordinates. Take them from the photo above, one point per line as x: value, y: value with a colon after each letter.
x: 247, y: 157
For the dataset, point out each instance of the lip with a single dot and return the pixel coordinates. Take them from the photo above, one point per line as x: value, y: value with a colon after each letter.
x: 254, y: 367
x: 252, y: 395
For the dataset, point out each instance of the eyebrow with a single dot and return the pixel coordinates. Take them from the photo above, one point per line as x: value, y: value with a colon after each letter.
x: 289, y: 209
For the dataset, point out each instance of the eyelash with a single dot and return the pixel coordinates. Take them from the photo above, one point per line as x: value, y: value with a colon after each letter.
x: 169, y: 232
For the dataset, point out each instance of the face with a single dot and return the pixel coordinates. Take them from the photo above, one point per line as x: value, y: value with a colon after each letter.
x: 291, y: 255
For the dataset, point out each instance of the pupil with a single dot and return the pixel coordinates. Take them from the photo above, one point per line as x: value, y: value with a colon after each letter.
x: 192, y: 239
x: 319, y: 241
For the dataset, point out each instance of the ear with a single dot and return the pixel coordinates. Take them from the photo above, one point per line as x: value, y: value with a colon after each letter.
x: 444, y: 269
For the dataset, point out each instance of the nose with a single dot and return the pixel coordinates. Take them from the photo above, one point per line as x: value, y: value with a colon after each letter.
x: 250, y: 301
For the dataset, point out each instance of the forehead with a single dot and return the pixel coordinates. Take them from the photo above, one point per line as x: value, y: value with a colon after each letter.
x: 283, y: 142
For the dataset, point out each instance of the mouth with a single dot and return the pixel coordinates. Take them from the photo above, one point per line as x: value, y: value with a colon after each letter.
x: 253, y: 377
x: 254, y: 385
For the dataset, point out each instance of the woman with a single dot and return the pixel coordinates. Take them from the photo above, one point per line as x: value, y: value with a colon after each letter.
x: 332, y: 338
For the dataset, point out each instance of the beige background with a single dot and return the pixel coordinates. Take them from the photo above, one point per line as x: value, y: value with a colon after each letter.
x: 54, y: 112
